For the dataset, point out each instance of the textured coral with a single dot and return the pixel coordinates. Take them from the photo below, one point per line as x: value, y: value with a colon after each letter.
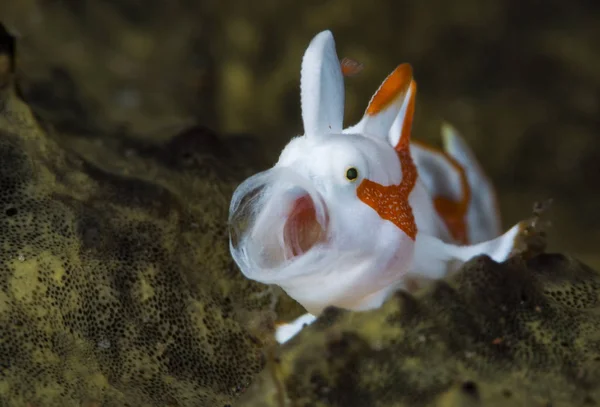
x: 116, y: 286
x: 521, y: 333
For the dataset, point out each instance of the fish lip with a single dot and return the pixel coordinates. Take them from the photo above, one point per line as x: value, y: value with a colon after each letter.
x: 259, y: 222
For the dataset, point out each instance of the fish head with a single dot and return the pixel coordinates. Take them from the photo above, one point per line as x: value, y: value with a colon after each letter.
x: 326, y: 222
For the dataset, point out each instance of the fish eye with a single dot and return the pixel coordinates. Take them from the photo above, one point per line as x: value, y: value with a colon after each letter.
x: 351, y: 174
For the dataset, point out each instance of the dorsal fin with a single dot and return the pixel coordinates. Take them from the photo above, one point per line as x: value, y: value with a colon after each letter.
x: 400, y: 132
x: 322, y: 87
x: 387, y: 102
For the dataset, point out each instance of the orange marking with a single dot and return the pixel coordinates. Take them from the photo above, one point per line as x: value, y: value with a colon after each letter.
x: 391, y: 202
x: 351, y: 67
x: 453, y: 215
x: 404, y: 141
x: 453, y: 212
x: 395, y: 86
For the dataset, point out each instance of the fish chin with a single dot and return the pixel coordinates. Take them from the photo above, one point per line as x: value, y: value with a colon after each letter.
x: 276, y: 217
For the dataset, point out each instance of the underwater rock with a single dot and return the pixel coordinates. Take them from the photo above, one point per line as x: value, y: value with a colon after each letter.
x: 116, y: 285
x: 521, y: 333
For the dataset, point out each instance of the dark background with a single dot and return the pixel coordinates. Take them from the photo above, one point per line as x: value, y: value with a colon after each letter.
x: 519, y: 79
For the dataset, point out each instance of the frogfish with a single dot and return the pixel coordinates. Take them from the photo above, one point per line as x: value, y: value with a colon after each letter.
x: 349, y: 215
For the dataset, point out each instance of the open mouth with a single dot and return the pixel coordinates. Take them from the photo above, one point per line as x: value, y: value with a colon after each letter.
x: 302, y: 229
x: 274, y: 220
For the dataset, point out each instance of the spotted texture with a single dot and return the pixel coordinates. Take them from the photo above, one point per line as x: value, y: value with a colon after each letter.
x: 116, y: 285
x: 391, y: 201
x: 521, y: 333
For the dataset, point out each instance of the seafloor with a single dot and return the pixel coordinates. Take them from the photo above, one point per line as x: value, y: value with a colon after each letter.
x: 125, y: 126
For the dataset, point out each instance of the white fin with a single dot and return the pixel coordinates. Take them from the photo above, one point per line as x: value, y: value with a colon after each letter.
x: 285, y: 332
x: 387, y: 103
x: 435, y: 259
x: 322, y: 87
x: 483, y: 218
x: 498, y: 249
x: 402, y: 125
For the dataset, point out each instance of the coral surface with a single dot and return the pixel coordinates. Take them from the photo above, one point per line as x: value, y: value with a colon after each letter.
x: 521, y: 333
x: 116, y: 285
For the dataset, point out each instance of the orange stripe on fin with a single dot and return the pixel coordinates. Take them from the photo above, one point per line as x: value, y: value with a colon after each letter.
x: 395, y: 86
x: 404, y: 141
x: 453, y: 213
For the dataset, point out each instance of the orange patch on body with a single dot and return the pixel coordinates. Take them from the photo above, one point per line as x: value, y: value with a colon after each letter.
x: 395, y: 86
x: 453, y: 212
x: 391, y: 202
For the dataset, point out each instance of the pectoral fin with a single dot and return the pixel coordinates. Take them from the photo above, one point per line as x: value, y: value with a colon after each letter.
x: 287, y: 331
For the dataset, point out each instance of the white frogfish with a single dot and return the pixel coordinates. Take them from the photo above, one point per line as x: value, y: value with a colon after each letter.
x: 348, y: 216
